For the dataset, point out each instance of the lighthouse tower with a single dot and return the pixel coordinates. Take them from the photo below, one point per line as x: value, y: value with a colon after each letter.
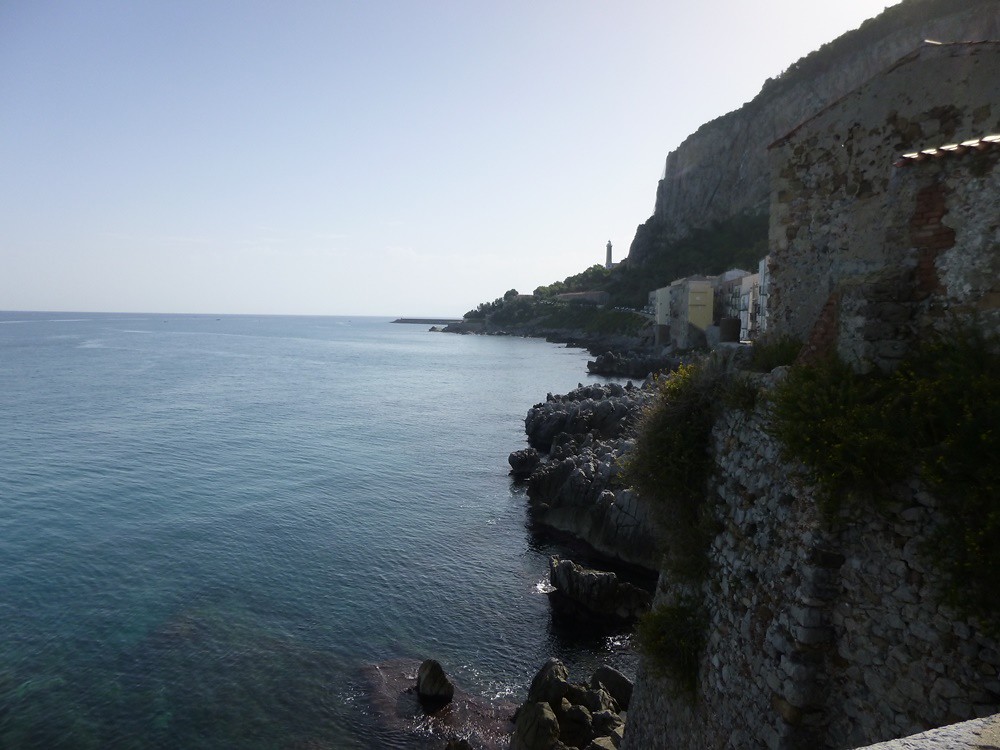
x: 608, y: 263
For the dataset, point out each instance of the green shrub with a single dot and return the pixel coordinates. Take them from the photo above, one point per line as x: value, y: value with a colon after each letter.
x: 672, y: 640
x: 837, y: 423
x: 952, y: 399
x: 768, y: 353
x: 671, y: 462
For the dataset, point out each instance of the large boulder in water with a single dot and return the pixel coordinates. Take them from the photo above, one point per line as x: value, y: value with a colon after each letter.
x: 434, y: 689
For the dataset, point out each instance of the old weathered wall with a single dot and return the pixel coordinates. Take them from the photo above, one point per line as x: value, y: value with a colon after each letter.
x: 846, y: 222
x: 820, y: 635
x: 722, y: 169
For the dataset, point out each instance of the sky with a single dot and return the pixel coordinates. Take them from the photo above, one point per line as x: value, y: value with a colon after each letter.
x: 371, y: 157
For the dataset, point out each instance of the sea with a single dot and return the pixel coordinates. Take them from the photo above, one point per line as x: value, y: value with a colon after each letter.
x: 221, y: 531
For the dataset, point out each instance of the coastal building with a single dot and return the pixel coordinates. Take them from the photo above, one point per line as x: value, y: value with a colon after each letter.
x: 659, y: 304
x: 727, y: 303
x: 691, y: 302
x: 883, y: 211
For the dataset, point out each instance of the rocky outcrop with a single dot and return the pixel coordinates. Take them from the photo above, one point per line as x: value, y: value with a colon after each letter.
x: 561, y: 714
x: 577, y: 490
x: 722, y: 169
x: 523, y: 462
x: 631, y: 364
x: 596, y: 594
x: 606, y: 411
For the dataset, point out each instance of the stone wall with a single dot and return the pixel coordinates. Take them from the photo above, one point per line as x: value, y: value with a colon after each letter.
x: 821, y: 635
x: 900, y: 243
x: 722, y: 169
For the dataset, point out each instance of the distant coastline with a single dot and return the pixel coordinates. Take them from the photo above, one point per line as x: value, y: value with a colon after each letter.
x: 429, y: 321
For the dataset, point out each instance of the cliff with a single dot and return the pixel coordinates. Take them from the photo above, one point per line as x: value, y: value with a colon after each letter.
x: 721, y: 170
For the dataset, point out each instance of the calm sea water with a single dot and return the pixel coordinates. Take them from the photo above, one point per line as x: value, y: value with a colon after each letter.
x: 209, y: 526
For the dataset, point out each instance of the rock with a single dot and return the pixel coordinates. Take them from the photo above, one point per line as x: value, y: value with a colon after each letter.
x: 617, y: 684
x: 523, y: 462
x: 598, y: 594
x: 550, y: 684
x: 602, y: 743
x: 630, y: 364
x: 458, y: 745
x: 537, y: 728
x: 593, y: 700
x: 575, y: 726
x: 606, y: 723
x: 434, y: 689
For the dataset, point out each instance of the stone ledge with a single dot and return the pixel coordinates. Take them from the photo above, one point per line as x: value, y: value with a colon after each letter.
x: 978, y: 734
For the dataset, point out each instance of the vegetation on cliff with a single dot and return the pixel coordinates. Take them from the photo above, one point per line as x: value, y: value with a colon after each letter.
x: 937, y: 417
x: 737, y: 242
x: 514, y: 312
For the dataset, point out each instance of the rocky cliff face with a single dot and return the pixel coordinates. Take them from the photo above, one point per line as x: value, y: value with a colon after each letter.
x: 722, y: 170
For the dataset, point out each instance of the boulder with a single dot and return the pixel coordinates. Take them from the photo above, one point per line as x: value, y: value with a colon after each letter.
x: 575, y: 726
x: 602, y: 743
x: 591, y: 699
x: 607, y: 723
x: 537, y: 728
x: 617, y: 684
x: 523, y: 462
x: 550, y: 684
x: 434, y: 689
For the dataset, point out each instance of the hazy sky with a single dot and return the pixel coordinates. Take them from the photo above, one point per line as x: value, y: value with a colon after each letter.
x: 367, y: 157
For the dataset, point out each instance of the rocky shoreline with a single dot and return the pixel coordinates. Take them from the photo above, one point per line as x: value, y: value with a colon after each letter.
x: 615, y: 355
x: 572, y: 470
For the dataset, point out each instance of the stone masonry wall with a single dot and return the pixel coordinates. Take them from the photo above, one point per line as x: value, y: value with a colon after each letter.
x: 845, y: 219
x: 821, y: 635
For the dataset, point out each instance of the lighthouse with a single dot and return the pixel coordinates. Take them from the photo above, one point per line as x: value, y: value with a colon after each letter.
x: 608, y: 263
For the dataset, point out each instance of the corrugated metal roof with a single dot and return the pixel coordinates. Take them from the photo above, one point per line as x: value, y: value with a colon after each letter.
x: 985, y: 143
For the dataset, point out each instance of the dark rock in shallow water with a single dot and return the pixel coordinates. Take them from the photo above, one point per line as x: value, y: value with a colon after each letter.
x: 433, y: 686
x: 483, y: 724
x: 523, y: 462
x: 597, y: 593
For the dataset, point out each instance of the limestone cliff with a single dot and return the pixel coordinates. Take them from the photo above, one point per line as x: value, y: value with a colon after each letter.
x: 721, y: 170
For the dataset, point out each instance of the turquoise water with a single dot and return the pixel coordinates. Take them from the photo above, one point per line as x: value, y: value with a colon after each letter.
x: 209, y: 526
